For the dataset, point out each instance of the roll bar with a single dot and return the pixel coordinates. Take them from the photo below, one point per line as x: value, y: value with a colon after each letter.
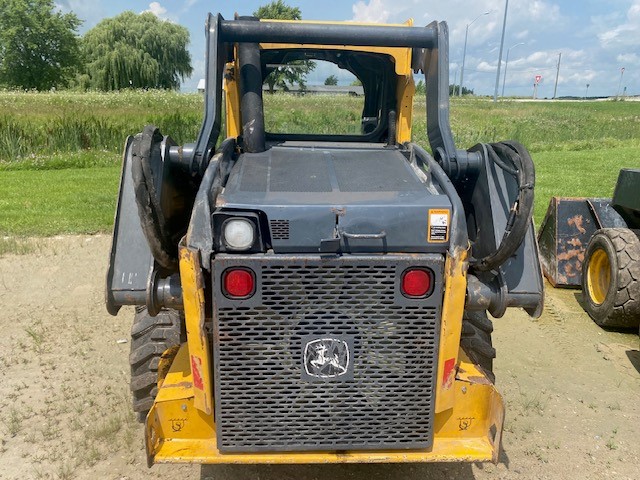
x: 430, y: 46
x: 238, y: 31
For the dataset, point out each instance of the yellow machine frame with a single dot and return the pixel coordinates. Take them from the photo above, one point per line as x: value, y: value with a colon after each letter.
x: 469, y: 412
x: 180, y: 426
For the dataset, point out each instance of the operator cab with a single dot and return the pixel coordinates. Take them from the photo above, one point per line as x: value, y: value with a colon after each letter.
x: 373, y: 75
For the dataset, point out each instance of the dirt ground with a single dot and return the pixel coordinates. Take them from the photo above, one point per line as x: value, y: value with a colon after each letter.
x: 572, y: 389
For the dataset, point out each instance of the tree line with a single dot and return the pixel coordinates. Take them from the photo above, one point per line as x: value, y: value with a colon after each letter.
x: 40, y: 49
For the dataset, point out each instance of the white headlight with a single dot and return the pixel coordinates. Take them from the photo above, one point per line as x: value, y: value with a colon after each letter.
x: 239, y: 234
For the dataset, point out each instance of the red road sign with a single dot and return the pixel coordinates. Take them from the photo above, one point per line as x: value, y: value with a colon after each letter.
x: 538, y: 78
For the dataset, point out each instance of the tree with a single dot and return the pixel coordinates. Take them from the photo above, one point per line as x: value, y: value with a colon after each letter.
x: 455, y: 90
x: 331, y: 80
x: 296, y: 70
x: 38, y: 44
x: 137, y: 51
x: 278, y: 10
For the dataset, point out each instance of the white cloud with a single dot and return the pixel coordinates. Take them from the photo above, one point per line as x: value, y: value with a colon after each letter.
x: 628, y: 59
x: 538, y: 10
x: 625, y: 34
x: 634, y: 12
x: 595, y: 41
x: 373, y: 12
x: 157, y: 9
x: 486, y: 67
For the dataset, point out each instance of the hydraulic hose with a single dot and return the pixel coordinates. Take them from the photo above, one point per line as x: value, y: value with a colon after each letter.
x: 515, y: 160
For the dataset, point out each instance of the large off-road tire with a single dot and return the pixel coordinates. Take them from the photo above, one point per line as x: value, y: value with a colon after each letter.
x: 476, y: 340
x: 611, y: 278
x: 153, y: 340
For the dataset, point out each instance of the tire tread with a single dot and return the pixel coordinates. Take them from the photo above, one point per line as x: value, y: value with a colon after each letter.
x: 150, y: 338
x: 476, y: 341
x: 623, y: 309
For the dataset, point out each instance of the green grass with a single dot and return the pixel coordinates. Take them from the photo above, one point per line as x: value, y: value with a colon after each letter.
x: 61, y: 161
x: 49, y: 202
x: 60, y: 152
x: 322, y: 114
x: 583, y: 173
x: 547, y: 126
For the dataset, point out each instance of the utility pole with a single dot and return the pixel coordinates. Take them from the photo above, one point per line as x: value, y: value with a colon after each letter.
x: 586, y: 93
x: 455, y: 82
x: 464, y: 51
x: 555, y: 89
x: 620, y: 84
x: 506, y: 64
x: 504, y: 27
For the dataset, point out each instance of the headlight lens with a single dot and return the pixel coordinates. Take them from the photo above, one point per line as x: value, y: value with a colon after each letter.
x: 239, y: 234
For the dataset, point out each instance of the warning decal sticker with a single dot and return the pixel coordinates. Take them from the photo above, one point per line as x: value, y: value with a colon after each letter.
x: 438, y: 226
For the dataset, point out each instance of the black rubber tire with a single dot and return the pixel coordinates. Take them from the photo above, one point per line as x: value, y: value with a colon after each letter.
x: 621, y: 305
x: 476, y: 341
x: 151, y: 337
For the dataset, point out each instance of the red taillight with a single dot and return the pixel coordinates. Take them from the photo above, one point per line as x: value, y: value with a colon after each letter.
x: 417, y: 283
x: 238, y: 283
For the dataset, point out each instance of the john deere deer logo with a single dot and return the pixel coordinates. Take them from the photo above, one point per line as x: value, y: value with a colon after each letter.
x: 326, y: 358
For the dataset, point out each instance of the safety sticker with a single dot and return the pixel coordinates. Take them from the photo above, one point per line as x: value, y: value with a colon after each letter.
x: 438, y: 228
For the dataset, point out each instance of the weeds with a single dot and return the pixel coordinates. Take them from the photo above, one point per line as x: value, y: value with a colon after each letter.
x: 108, y: 429
x: 539, y: 455
x: 611, y: 444
x: 50, y: 430
x: 91, y: 455
x: 39, y: 124
x: 13, y: 422
x: 536, y: 402
x: 15, y: 246
x: 36, y: 333
x: 65, y: 471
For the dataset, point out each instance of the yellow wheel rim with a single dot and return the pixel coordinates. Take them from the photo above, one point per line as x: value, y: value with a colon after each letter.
x: 598, y: 276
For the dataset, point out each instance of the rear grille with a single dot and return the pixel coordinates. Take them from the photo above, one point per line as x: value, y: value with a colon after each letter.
x: 376, y: 392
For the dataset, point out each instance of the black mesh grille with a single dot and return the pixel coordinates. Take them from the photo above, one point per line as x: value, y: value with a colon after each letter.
x: 292, y: 173
x: 383, y: 173
x: 279, y: 229
x: 264, y: 400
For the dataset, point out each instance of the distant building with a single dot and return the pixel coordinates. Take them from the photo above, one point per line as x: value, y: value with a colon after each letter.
x: 354, y: 90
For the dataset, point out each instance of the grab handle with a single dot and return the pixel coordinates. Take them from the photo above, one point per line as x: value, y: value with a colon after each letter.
x: 372, y: 236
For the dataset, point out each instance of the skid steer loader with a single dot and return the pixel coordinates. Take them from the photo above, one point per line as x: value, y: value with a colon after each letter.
x: 318, y: 298
x: 594, y: 244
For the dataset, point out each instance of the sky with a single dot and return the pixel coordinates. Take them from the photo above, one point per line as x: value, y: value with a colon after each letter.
x: 596, y: 39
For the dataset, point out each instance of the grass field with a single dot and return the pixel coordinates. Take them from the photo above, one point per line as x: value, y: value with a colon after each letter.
x: 60, y: 152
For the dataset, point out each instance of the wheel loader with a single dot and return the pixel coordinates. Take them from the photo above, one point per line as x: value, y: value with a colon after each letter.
x: 321, y: 298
